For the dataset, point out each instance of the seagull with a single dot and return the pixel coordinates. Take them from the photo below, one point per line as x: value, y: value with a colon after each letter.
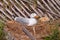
x: 27, y: 21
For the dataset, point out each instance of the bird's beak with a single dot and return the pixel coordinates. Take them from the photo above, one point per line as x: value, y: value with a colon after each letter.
x: 37, y: 17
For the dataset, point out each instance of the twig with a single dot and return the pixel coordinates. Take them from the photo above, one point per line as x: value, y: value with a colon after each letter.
x: 28, y: 33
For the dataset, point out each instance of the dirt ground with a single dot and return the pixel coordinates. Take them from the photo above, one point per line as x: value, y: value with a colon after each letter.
x: 42, y: 29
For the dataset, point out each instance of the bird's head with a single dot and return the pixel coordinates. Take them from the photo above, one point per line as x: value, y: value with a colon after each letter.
x: 34, y: 15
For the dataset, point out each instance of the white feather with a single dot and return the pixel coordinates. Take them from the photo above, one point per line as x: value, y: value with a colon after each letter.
x: 33, y: 15
x: 28, y: 21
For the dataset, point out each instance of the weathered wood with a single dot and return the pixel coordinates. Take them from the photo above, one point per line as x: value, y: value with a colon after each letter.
x: 15, y: 12
x: 25, y: 5
x: 19, y: 8
x: 58, y: 2
x: 2, y: 16
x: 22, y: 8
x: 6, y: 14
x: 49, y: 8
x: 53, y: 6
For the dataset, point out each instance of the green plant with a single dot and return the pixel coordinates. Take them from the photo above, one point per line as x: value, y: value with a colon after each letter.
x: 2, y: 34
x: 55, y: 34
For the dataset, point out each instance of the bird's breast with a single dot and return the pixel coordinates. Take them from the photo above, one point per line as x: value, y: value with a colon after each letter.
x: 32, y: 22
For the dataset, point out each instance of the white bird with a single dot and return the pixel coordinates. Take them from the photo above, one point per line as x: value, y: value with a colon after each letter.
x: 28, y: 21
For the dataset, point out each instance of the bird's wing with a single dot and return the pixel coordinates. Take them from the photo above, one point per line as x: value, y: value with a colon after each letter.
x: 22, y: 20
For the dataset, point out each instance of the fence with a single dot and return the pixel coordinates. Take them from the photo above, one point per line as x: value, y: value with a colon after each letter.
x: 24, y: 8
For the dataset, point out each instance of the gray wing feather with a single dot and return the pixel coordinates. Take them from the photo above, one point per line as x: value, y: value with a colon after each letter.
x: 22, y: 20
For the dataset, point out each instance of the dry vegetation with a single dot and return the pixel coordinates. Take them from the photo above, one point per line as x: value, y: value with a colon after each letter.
x: 44, y: 30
